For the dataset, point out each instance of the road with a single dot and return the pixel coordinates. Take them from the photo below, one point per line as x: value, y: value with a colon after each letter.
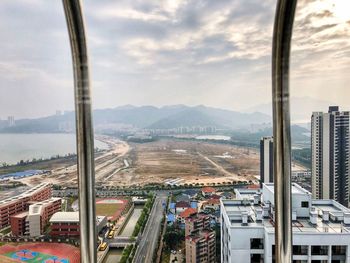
x: 149, y: 239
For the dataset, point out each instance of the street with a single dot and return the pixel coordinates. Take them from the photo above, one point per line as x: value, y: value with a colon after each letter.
x: 149, y: 239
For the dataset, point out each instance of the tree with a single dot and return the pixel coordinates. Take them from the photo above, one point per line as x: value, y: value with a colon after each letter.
x: 172, y: 239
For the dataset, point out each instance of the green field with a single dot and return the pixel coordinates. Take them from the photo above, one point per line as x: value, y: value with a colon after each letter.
x: 108, y: 209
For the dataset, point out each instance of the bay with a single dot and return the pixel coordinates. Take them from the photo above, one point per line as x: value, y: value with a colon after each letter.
x: 16, y: 147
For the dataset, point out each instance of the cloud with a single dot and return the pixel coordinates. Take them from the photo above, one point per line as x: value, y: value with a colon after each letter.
x: 170, y: 51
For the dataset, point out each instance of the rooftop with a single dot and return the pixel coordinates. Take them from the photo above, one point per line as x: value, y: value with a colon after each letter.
x: 28, y: 193
x: 208, y: 189
x: 319, y: 216
x: 65, y: 217
x: 188, y: 212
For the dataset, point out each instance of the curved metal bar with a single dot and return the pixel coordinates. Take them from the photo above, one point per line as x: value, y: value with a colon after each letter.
x: 84, y: 130
x: 282, y: 35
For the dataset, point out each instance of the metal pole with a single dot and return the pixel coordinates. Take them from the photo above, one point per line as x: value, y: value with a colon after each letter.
x: 282, y: 35
x: 84, y: 130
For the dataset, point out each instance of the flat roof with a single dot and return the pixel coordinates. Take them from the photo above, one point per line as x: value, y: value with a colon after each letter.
x: 27, y: 193
x: 296, y: 189
x: 235, y: 208
x: 65, y: 217
x: 21, y: 215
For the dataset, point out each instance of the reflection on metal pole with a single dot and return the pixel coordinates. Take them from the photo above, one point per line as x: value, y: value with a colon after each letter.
x: 281, y: 129
x: 85, y: 136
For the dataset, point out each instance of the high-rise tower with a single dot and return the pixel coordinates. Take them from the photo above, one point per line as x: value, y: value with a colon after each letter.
x: 330, y: 155
x: 266, y: 160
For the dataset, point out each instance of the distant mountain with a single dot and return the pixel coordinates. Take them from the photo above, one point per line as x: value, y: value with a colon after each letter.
x: 151, y: 117
x: 301, y: 108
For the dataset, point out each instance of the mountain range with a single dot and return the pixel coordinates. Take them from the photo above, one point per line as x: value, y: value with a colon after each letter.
x: 301, y: 108
x: 147, y: 117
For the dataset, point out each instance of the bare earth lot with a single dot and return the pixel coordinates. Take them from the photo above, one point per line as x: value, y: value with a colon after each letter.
x: 154, y: 162
x: 195, y: 162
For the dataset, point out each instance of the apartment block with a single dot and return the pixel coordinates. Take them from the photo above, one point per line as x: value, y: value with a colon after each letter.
x: 330, y: 138
x: 200, y: 247
x: 266, y: 160
x: 321, y: 228
x: 200, y: 239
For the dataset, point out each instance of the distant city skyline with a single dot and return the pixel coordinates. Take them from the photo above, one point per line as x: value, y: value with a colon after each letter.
x: 215, y: 53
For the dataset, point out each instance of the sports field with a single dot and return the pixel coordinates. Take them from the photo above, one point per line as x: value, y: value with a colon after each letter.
x: 40, y: 253
x: 110, y: 207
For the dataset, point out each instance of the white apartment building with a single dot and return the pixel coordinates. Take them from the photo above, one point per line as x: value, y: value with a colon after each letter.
x: 330, y: 142
x: 321, y: 228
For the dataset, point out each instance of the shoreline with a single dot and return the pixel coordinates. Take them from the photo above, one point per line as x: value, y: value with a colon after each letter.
x: 32, y: 159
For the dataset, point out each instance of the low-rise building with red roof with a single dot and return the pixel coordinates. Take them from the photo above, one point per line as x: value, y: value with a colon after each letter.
x: 208, y: 191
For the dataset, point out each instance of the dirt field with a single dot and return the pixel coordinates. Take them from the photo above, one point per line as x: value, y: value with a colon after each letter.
x: 167, y: 159
x: 191, y: 161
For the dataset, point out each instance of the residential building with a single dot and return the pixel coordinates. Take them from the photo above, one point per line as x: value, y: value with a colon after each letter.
x: 208, y: 191
x: 266, y: 160
x: 213, y: 204
x: 196, y: 222
x: 330, y: 140
x: 185, y: 214
x: 201, y: 246
x: 321, y: 228
x: 181, y: 206
x: 20, y: 203
x: 11, y: 121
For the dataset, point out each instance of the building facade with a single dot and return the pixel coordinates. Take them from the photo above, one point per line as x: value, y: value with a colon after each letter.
x: 65, y: 224
x: 39, y: 214
x: 200, y: 239
x: 18, y: 224
x: 266, y: 160
x: 321, y: 228
x: 330, y: 139
x: 20, y: 203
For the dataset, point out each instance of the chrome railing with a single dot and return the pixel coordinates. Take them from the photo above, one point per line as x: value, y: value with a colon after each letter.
x: 281, y: 129
x: 84, y: 130
x: 282, y: 35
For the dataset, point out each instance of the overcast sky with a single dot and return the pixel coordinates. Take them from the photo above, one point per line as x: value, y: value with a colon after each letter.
x: 154, y: 52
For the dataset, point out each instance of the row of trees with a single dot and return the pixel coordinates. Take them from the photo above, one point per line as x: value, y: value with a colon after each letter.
x: 141, y: 222
x: 126, y: 253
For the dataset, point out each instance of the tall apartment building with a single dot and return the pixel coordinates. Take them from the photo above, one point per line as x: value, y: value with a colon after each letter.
x: 321, y: 228
x: 330, y: 155
x: 11, y: 121
x: 266, y: 160
x: 200, y: 239
x: 20, y: 203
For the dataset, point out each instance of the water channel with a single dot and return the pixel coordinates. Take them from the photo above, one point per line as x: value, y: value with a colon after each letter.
x: 115, y: 254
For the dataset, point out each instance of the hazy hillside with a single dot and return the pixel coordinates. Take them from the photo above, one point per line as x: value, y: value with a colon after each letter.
x: 301, y: 108
x: 166, y: 117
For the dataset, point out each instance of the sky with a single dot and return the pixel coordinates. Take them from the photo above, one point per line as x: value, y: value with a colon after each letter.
x: 164, y: 52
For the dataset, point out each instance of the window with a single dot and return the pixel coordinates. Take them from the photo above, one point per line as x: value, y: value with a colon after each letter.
x: 305, y: 204
x: 339, y: 250
x: 300, y: 250
x: 256, y: 243
x: 256, y: 258
x: 319, y: 250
